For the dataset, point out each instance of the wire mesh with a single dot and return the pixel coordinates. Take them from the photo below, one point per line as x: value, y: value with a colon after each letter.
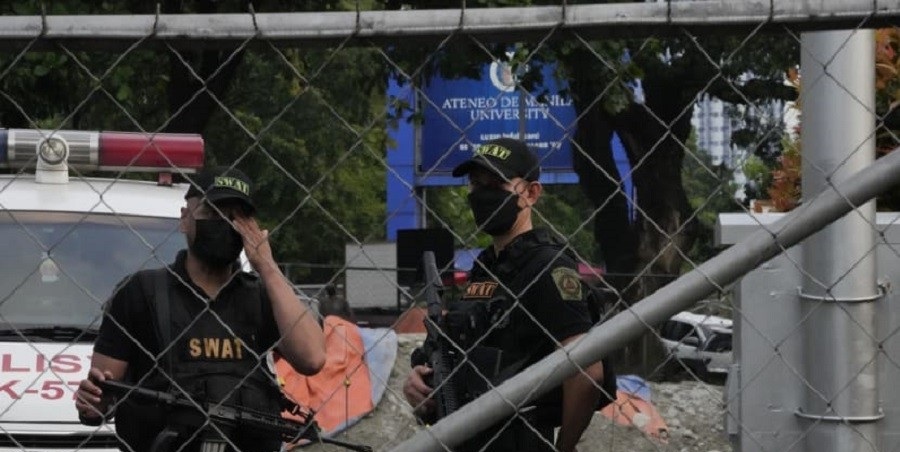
x: 680, y: 136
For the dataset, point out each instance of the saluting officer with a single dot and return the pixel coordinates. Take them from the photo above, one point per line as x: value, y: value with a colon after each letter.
x: 526, y: 298
x: 201, y: 327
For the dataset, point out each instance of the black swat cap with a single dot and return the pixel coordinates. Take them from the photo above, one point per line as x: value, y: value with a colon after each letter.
x: 506, y: 157
x: 221, y: 183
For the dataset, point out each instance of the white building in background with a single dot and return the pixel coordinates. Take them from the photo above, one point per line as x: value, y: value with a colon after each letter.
x: 714, y: 122
x: 714, y: 129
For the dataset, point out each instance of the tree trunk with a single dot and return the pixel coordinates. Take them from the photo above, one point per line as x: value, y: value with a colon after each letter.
x: 194, y: 81
x: 601, y: 182
x: 643, y: 255
x: 654, y: 136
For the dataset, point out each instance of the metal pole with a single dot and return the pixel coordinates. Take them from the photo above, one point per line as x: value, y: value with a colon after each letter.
x: 522, y: 114
x: 712, y: 275
x: 839, y: 290
x: 603, y: 19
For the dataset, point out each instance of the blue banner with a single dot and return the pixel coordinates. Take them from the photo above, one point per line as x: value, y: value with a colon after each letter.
x: 461, y: 114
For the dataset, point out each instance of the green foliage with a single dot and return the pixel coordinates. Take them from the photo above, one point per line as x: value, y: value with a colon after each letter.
x: 604, y: 64
x: 318, y: 166
x: 710, y: 190
x: 450, y: 209
x: 306, y: 126
x: 319, y: 163
x: 564, y: 209
x: 85, y: 90
x: 759, y: 177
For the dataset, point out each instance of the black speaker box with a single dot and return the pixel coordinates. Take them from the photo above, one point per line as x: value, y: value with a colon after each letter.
x: 411, y: 243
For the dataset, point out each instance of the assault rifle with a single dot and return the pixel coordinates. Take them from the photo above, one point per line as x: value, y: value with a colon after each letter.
x: 229, y: 416
x: 439, y: 353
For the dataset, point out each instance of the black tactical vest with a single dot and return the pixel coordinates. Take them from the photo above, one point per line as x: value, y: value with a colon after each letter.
x: 212, y: 357
x: 214, y: 352
x: 486, y: 323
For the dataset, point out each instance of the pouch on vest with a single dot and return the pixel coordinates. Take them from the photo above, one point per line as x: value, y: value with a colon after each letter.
x: 465, y: 324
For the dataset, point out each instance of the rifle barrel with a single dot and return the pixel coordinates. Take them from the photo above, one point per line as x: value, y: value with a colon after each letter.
x: 433, y: 285
x: 233, y: 415
x: 440, y: 351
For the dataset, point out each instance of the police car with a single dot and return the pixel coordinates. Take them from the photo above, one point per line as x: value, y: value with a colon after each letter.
x: 65, y: 241
x: 698, y: 341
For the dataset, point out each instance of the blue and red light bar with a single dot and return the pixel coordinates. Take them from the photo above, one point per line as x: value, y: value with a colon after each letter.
x: 107, y: 151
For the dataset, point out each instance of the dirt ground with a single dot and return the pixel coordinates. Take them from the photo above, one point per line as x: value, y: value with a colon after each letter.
x: 692, y: 410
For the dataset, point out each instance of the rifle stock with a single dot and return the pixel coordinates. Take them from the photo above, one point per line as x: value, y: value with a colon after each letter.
x: 441, y: 355
x: 287, y: 429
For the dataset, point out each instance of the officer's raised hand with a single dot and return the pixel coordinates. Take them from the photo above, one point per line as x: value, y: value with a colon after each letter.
x: 256, y: 243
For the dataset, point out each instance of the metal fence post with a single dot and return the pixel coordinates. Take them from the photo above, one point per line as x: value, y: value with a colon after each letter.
x: 839, y: 288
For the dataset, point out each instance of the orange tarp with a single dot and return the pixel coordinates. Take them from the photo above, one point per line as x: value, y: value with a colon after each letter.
x: 341, y: 391
x: 631, y: 410
x: 411, y: 321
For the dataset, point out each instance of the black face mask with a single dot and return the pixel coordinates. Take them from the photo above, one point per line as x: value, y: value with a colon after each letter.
x: 495, y: 209
x: 216, y: 243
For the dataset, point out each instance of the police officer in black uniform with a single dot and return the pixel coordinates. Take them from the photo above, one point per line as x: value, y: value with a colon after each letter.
x: 528, y: 298
x: 201, y: 327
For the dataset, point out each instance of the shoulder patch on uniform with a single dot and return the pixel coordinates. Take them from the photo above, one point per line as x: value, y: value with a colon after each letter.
x: 480, y: 290
x: 567, y: 282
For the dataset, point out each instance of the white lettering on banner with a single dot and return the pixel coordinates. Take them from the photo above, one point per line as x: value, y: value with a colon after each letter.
x: 459, y: 103
x: 462, y: 103
x: 496, y: 114
x: 493, y: 114
x: 528, y: 136
x: 554, y: 100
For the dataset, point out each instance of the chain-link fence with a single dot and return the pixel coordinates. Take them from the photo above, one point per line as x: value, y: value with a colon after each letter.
x: 752, y: 313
